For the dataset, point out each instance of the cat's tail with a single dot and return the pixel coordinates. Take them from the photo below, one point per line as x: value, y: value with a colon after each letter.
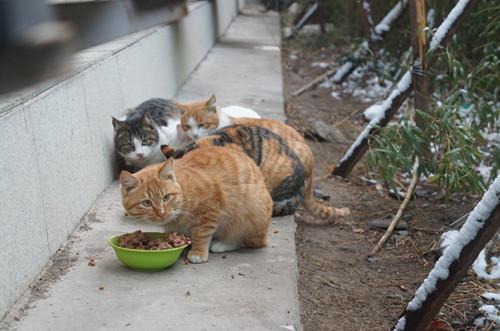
x: 318, y: 209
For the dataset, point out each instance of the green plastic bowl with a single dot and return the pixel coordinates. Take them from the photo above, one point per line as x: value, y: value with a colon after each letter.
x: 141, y: 259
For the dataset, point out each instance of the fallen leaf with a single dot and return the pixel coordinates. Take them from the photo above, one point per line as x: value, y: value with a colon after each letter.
x: 92, y: 262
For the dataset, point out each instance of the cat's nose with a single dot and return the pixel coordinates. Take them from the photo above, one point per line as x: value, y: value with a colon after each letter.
x: 140, y: 155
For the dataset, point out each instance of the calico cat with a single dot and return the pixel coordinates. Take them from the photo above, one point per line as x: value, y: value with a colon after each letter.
x: 204, y: 114
x: 153, y: 123
x: 281, y: 169
x: 285, y: 175
x: 146, y: 127
x: 202, y: 118
x: 216, y: 195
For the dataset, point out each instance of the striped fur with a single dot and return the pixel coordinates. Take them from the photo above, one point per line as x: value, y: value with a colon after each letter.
x: 283, y: 172
x: 204, y: 114
x: 216, y: 195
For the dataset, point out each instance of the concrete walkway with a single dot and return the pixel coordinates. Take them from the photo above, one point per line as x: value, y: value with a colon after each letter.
x: 243, y: 290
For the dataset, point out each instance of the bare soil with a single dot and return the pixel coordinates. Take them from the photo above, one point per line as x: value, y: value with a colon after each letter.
x: 339, y: 288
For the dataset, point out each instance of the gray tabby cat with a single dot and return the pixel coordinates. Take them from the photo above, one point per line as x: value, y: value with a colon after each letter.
x: 139, y: 136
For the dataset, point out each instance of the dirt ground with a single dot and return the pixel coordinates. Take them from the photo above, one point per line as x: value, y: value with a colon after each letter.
x: 339, y: 288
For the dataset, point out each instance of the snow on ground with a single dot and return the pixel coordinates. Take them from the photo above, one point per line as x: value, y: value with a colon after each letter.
x: 480, y: 265
x: 475, y: 222
x: 321, y: 65
x: 362, y: 83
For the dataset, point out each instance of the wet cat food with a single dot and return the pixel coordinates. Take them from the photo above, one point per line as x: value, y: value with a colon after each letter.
x: 141, y: 240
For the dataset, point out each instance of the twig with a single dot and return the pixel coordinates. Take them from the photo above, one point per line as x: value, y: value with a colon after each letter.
x: 457, y: 222
x: 348, y: 117
x: 313, y: 83
x: 401, y: 209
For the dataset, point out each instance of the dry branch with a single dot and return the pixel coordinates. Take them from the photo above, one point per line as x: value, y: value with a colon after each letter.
x: 397, y: 217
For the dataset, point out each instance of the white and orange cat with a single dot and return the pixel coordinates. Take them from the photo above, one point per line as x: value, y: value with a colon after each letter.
x: 202, y: 118
x: 216, y: 195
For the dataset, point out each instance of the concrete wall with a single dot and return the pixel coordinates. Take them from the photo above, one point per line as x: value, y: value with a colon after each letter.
x: 56, y: 144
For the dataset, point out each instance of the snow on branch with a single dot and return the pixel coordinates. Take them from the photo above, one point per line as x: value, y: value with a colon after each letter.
x: 445, y: 27
x: 384, y: 25
x: 380, y: 117
x: 481, y: 225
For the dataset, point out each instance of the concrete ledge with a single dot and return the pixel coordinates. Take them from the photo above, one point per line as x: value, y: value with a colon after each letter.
x: 56, y: 138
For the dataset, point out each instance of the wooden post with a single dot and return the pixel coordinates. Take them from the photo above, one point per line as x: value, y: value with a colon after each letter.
x: 419, y: 72
x: 444, y: 33
x: 429, y: 305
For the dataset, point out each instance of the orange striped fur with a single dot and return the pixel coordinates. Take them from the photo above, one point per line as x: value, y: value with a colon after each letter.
x: 216, y: 195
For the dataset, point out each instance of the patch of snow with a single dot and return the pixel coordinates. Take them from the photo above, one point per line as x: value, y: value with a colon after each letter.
x: 386, y: 22
x: 447, y: 23
x: 490, y: 312
x: 475, y: 222
x: 479, y: 322
x: 481, y: 264
x: 342, y: 71
x: 288, y: 327
x: 495, y: 297
x: 336, y: 95
x: 465, y: 109
x: 321, y: 65
x: 326, y: 84
x: 293, y: 57
x: 493, y: 137
x: 485, y: 171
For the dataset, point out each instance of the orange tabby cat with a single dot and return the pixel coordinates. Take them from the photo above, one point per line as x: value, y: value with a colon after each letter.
x: 216, y: 195
x: 201, y: 118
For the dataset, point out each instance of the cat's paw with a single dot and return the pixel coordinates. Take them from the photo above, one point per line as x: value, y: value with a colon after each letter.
x: 195, y: 258
x: 221, y: 247
x: 343, y: 211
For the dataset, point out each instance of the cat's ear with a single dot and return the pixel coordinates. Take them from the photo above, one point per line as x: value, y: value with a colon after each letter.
x: 117, y: 124
x: 210, y: 104
x: 181, y: 107
x: 147, y: 120
x: 167, y: 151
x: 167, y: 170
x: 128, y: 181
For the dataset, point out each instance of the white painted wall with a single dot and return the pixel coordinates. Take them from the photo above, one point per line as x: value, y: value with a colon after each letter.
x: 56, y: 148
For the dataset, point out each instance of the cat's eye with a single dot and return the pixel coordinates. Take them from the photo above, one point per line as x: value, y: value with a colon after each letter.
x: 202, y: 125
x: 186, y: 127
x: 167, y: 197
x: 147, y: 203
